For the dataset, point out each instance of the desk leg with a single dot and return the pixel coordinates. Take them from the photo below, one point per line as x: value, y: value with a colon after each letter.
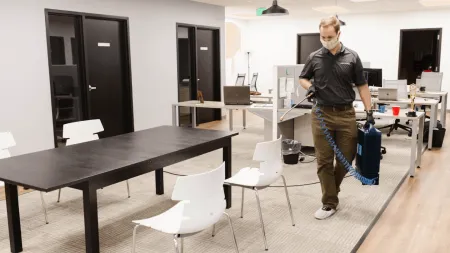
x: 444, y: 110
x: 227, y: 160
x: 420, y: 141
x: 432, y: 126
x: 194, y: 117
x: 159, y: 181
x: 91, y: 219
x: 412, y: 162
x: 230, y: 120
x: 174, y: 115
x: 244, y: 118
x: 12, y: 207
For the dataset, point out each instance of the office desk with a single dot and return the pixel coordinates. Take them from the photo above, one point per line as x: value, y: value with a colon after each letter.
x: 438, y: 94
x: 418, y: 101
x: 417, y: 129
x: 96, y: 164
x: 269, y: 97
x: 193, y: 104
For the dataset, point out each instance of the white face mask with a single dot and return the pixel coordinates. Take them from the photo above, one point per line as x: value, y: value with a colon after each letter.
x: 331, y: 44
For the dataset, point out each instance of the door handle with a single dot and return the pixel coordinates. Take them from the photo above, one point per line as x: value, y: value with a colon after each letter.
x: 92, y: 88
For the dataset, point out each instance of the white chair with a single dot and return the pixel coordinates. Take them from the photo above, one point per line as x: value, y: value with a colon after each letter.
x: 270, y: 170
x: 202, y: 203
x: 83, y: 131
x: 240, y: 80
x: 6, y: 142
x: 432, y: 81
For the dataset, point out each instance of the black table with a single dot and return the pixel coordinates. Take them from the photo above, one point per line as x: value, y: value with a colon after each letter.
x: 93, y: 165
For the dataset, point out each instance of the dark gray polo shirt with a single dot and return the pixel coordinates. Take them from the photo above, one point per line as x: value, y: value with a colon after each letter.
x: 334, y: 75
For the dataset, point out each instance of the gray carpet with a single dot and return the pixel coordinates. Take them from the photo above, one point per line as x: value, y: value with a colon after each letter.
x: 359, y: 206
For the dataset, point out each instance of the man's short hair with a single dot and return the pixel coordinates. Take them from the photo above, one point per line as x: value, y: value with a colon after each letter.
x: 331, y: 21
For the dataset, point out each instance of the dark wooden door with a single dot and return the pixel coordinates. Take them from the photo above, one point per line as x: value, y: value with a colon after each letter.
x: 208, y: 81
x: 105, y: 46
x: 306, y: 44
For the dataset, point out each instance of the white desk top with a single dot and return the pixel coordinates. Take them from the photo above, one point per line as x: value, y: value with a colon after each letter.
x: 417, y: 101
x: 388, y: 114
x: 216, y: 105
x: 266, y: 113
x: 262, y: 96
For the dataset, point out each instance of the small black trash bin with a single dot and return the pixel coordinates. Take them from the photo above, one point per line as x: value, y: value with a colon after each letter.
x: 291, y: 151
x: 438, y: 137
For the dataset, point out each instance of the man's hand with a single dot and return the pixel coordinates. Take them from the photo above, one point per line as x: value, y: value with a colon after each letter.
x: 369, y: 119
x: 311, y: 91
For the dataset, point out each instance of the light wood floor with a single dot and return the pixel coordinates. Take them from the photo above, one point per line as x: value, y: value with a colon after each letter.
x: 418, y: 217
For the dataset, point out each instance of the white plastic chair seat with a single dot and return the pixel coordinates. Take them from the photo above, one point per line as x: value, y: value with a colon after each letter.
x: 182, y: 219
x: 250, y: 177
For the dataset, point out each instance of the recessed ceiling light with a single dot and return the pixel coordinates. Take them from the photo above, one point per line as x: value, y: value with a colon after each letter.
x: 361, y: 1
x: 432, y: 3
x: 330, y: 9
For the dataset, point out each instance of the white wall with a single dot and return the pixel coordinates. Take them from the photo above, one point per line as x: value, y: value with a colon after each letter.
x: 375, y: 37
x: 238, y: 63
x: 25, y: 106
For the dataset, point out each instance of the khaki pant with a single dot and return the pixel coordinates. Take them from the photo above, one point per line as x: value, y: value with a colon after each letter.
x: 341, y: 124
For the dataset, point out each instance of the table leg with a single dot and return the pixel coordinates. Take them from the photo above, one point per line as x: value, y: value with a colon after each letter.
x: 432, y: 125
x: 244, y: 118
x: 420, y: 142
x: 12, y: 207
x: 230, y: 116
x: 444, y: 110
x: 412, y: 162
x: 194, y: 117
x: 91, y: 219
x: 174, y: 115
x: 227, y: 160
x: 159, y: 181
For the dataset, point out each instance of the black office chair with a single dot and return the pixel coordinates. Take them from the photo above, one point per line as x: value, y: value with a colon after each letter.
x: 396, y: 126
x: 253, y: 82
x: 240, y: 80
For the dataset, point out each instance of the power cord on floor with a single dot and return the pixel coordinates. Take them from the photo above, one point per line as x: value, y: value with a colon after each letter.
x: 274, y: 186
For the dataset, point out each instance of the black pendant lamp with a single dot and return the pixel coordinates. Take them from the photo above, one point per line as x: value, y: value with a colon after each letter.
x: 340, y: 21
x: 275, y: 10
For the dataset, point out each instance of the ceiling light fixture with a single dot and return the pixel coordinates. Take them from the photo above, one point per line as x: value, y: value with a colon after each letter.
x: 434, y: 3
x: 275, y: 10
x: 362, y: 1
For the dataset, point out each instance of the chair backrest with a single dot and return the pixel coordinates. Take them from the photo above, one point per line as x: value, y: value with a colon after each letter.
x: 432, y: 81
x: 271, y: 165
x: 240, y: 80
x: 6, y: 142
x: 82, y: 131
x: 205, y: 186
x: 253, y: 82
x: 400, y: 85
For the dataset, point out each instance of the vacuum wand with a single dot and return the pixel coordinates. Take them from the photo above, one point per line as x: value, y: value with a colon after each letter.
x: 310, y: 95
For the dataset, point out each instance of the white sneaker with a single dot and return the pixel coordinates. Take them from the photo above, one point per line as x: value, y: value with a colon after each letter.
x: 324, y: 212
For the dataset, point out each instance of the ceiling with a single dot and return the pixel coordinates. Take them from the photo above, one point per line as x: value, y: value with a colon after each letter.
x: 246, y: 9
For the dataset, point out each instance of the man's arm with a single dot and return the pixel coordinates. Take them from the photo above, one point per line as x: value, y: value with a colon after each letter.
x: 307, y: 74
x: 364, y: 93
x: 305, y: 83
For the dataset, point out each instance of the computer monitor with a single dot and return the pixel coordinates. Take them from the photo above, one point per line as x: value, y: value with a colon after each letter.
x: 374, y: 77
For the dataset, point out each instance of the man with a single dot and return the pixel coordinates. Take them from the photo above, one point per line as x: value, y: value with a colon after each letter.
x: 334, y: 70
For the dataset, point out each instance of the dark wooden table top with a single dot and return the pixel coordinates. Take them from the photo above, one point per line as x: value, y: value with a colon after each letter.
x: 60, y: 167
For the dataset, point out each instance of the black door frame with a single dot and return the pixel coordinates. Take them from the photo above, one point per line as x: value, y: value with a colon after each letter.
x: 84, y: 76
x: 194, y: 70
x: 299, y: 35
x: 438, y: 60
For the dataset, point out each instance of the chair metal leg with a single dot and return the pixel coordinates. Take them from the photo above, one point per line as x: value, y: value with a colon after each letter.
x: 261, y: 218
x: 288, y: 200
x: 214, y: 230
x: 133, y: 249
x: 175, y: 241
x: 128, y: 189
x: 59, y: 195
x: 44, y: 207
x: 181, y: 244
x: 242, y: 203
x: 232, y: 231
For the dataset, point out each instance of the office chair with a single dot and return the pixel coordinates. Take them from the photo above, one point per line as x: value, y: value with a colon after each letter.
x: 432, y: 81
x: 402, y: 93
x: 253, y: 82
x: 240, y: 80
